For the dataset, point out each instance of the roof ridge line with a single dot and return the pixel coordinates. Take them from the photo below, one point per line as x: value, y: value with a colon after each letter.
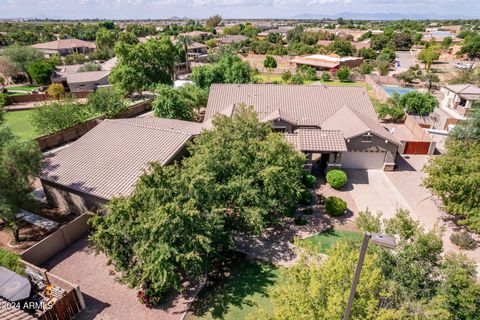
x: 149, y: 127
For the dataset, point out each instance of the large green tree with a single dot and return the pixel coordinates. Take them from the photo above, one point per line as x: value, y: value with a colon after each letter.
x: 41, y: 71
x: 107, y: 102
x: 141, y: 65
x: 415, y: 102
x: 413, y: 281
x: 471, y: 47
x: 19, y: 162
x: 229, y: 69
x: 22, y: 57
x: 240, y: 176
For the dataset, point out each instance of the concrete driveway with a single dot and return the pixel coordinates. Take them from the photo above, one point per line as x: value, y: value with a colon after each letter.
x: 373, y: 190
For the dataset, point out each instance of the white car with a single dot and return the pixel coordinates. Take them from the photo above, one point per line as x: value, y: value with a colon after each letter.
x: 464, y: 65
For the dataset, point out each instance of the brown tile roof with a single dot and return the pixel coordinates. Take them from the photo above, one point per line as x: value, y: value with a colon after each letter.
x: 307, y: 105
x: 348, y: 109
x: 88, y: 76
x: 13, y: 313
x: 316, y: 140
x: 64, y: 44
x: 107, y: 161
x: 232, y: 38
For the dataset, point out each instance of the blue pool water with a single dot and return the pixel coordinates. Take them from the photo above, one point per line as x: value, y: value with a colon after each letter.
x: 390, y: 90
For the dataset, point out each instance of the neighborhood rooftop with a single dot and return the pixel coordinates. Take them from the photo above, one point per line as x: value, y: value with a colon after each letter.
x: 64, y: 44
x: 107, y: 161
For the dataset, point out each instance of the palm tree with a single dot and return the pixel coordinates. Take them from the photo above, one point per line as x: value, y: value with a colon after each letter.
x: 185, y: 41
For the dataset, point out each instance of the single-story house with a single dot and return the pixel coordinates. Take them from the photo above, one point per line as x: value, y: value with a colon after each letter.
x: 197, y: 50
x: 108, y: 160
x: 65, y: 47
x: 75, y: 81
x: 232, y: 39
x: 336, y: 125
x: 281, y: 31
x: 197, y: 34
x: 460, y: 97
x: 361, y: 44
x: 327, y: 62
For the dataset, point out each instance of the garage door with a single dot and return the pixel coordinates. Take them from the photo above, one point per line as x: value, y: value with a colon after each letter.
x: 363, y: 160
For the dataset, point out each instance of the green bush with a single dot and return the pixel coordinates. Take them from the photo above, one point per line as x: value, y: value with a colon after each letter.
x: 306, y: 198
x: 325, y: 77
x: 335, y: 206
x: 297, y: 79
x: 286, y: 76
x: 4, y: 100
x: 11, y: 261
x: 336, y: 178
x: 309, y: 180
x: 343, y: 74
x: 463, y: 240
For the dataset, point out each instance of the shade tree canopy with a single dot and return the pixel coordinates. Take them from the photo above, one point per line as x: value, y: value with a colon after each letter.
x: 240, y: 176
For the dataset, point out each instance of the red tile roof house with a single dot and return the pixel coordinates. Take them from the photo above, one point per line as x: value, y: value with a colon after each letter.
x: 335, y: 125
x: 65, y: 47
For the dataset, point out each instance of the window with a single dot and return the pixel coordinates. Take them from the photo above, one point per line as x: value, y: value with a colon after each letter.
x: 367, y: 138
x: 279, y: 129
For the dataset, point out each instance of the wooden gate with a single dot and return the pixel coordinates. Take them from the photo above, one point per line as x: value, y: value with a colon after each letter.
x: 64, y: 309
x: 416, y: 147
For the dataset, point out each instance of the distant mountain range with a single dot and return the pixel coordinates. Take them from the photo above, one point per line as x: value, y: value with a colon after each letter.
x: 380, y: 16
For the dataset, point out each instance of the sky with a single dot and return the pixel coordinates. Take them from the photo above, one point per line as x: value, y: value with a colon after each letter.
x: 158, y: 9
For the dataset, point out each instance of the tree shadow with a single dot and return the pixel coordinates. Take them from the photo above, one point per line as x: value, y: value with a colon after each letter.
x: 230, y: 284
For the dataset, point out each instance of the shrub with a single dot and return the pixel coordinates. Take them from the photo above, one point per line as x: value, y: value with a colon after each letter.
x: 297, y: 79
x: 300, y: 221
x: 309, y: 180
x: 4, y: 100
x: 307, y: 72
x: 343, y: 74
x: 335, y: 206
x: 306, y: 198
x: 11, y: 261
x: 463, y: 240
x: 56, y: 90
x: 325, y: 77
x: 336, y: 178
x: 366, y: 68
x: 286, y: 76
x: 419, y: 103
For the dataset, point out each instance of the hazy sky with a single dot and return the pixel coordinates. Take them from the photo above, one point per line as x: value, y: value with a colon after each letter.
x: 121, y: 9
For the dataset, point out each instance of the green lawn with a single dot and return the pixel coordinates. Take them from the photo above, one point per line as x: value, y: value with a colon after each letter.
x: 237, y: 295
x: 325, y: 240
x: 23, y: 88
x: 19, y: 122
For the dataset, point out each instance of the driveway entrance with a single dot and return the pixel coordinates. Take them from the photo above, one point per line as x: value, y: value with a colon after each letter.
x: 373, y: 190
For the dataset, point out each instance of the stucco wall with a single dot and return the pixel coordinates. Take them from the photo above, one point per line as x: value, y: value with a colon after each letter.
x: 377, y: 145
x: 88, y: 86
x: 69, y: 199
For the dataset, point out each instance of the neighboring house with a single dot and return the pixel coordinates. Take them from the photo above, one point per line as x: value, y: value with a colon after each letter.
x: 439, y: 36
x: 333, y: 124
x: 197, y: 34
x: 361, y: 44
x: 197, y: 50
x: 231, y: 39
x: 75, y: 81
x: 108, y: 160
x: 460, y: 97
x: 65, y: 47
x: 327, y: 62
x: 281, y: 31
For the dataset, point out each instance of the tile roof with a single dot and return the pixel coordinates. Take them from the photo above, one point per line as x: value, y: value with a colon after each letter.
x: 64, y: 44
x: 317, y: 140
x: 232, y: 38
x: 88, y: 76
x: 464, y: 89
x: 307, y: 105
x: 13, y: 313
x: 348, y: 109
x: 107, y: 161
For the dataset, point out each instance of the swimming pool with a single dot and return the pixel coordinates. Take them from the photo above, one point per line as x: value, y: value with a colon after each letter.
x: 390, y: 90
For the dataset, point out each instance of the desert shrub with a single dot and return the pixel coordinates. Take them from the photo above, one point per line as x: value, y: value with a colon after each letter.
x: 343, y: 74
x: 325, y: 76
x: 300, y: 221
x: 335, y: 206
x: 336, y: 178
x: 297, y: 79
x: 11, y: 261
x: 307, y: 72
x: 306, y: 198
x: 309, y: 180
x: 286, y: 76
x: 463, y: 240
